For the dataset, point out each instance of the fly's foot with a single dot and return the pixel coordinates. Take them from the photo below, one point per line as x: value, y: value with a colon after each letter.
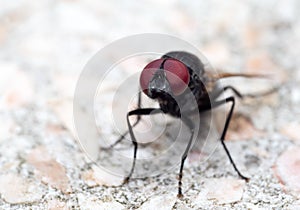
x: 126, y: 180
x: 246, y: 179
x: 180, y: 195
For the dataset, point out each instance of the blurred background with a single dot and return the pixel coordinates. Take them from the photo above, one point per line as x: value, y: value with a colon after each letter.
x: 44, y: 45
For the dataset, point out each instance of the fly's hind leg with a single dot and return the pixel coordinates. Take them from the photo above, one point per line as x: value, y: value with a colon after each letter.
x: 219, y: 103
x: 232, y: 101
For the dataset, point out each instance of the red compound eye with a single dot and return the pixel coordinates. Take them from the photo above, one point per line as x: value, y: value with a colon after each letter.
x: 177, y: 75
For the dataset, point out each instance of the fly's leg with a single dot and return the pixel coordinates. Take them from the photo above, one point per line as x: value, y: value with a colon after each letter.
x: 235, y: 91
x: 216, y: 104
x: 126, y: 132
x: 218, y: 92
x: 232, y: 100
x: 191, y: 126
x: 138, y: 112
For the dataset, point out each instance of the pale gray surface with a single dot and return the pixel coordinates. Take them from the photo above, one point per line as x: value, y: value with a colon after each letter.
x: 44, y: 46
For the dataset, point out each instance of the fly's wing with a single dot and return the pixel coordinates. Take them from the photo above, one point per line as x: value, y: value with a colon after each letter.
x: 191, y: 61
x: 222, y: 75
x: 216, y: 88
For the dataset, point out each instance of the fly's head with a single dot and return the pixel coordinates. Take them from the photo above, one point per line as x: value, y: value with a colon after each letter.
x: 164, y: 78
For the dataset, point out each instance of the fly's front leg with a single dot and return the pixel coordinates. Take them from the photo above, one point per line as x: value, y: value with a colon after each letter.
x: 138, y: 112
x: 191, y: 126
x: 216, y: 104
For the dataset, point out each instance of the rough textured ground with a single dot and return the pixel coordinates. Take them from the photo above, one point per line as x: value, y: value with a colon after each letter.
x: 44, y: 45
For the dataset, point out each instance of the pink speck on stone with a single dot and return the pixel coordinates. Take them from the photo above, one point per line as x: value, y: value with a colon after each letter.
x: 291, y: 130
x: 261, y: 63
x: 251, y: 35
x: 217, y: 53
x: 97, y: 176
x: 288, y: 168
x: 16, y: 87
x: 48, y: 170
x: 163, y: 202
x: 224, y: 190
x: 56, y: 205
x: 64, y: 111
x: 15, y: 189
x: 241, y: 128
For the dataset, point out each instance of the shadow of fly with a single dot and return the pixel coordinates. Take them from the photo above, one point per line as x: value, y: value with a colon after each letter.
x: 168, y: 80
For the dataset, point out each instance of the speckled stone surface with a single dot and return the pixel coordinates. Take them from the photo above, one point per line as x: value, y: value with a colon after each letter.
x: 44, y: 46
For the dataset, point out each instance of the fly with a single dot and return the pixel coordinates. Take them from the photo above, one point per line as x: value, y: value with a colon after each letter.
x: 167, y: 79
